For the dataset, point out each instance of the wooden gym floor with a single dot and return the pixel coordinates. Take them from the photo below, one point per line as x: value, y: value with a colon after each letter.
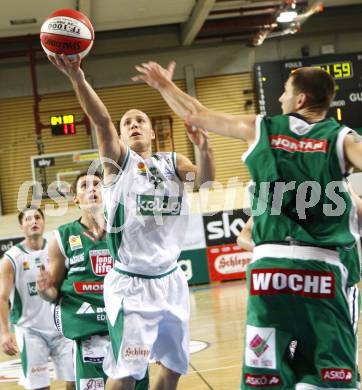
x: 218, y: 319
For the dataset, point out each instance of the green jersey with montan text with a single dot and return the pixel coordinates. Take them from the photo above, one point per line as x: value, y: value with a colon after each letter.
x: 80, y: 311
x: 300, y: 192
x: 28, y: 310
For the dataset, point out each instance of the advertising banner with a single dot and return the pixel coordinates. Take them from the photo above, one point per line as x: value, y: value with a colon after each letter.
x: 7, y: 243
x: 194, y: 265
x: 227, y: 262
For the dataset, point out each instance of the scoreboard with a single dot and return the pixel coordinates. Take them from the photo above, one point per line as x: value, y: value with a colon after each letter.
x: 346, y: 69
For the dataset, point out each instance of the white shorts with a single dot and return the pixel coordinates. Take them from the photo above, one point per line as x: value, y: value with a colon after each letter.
x: 148, y: 318
x: 35, y: 349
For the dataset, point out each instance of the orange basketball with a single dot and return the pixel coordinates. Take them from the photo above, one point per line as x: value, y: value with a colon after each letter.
x: 67, y: 31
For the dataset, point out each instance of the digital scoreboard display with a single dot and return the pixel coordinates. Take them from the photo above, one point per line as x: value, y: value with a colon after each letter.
x: 346, y: 69
x: 62, y: 124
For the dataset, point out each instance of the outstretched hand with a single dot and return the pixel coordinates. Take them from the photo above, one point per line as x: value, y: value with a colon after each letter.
x: 154, y: 74
x: 198, y: 136
x: 44, y: 280
x: 69, y: 66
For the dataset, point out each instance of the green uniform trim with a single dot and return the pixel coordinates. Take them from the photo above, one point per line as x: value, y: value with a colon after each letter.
x: 116, y: 334
x: 12, y: 261
x: 114, y: 240
x: 21, y: 247
x: 17, y: 309
x: 145, y: 276
x: 24, y: 359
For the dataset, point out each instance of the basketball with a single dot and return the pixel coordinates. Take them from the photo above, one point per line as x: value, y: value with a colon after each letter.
x: 68, y: 32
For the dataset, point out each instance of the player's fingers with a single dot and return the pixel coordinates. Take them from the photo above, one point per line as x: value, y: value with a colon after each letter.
x: 146, y: 65
x: 139, y: 77
x: 204, y: 132
x: 188, y: 127
x: 142, y: 69
x: 171, y: 67
x: 66, y: 60
x: 52, y: 59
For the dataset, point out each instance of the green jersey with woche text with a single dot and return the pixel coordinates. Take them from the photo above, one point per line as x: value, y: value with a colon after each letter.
x: 80, y: 311
x: 300, y: 193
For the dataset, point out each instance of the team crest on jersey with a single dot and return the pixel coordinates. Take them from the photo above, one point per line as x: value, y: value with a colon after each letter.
x: 32, y: 289
x: 75, y: 243
x: 101, y: 261
x: 142, y: 168
x: 26, y: 265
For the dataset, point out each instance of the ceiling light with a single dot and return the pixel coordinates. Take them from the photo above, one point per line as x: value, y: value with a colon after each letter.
x: 286, y: 17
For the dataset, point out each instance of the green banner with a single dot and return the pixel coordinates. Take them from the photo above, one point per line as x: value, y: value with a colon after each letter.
x: 194, y: 265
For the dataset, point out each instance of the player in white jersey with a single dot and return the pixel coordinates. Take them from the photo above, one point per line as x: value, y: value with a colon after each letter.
x: 36, y: 336
x: 146, y: 295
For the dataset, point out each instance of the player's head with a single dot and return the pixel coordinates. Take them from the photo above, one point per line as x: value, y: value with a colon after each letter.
x: 136, y: 130
x: 310, y: 89
x: 31, y: 221
x: 87, y: 190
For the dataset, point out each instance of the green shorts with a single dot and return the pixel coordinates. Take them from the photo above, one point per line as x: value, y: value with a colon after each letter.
x: 299, y: 331
x: 88, y: 361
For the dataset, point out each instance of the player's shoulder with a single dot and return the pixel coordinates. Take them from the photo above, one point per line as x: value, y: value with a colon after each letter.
x: 14, y: 252
x: 69, y: 227
x: 164, y: 156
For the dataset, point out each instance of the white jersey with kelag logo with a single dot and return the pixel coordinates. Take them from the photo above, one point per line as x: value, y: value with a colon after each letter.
x: 146, y: 214
x: 28, y: 310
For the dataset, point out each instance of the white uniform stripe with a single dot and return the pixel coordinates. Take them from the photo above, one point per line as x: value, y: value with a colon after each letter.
x: 307, y: 386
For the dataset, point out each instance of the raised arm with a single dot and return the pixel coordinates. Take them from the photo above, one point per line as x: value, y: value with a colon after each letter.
x: 6, y: 284
x: 353, y: 150
x: 244, y: 239
x: 190, y: 109
x: 357, y: 200
x: 109, y: 144
x: 49, y: 280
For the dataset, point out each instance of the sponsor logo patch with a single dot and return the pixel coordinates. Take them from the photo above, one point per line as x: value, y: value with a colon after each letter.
x: 260, y: 350
x: 38, y: 370
x: 142, y: 169
x: 336, y: 374
x: 136, y: 352
x: 101, y: 261
x: 58, y: 318
x: 230, y: 263
x: 26, y: 265
x: 304, y: 145
x: 88, y: 287
x: 32, y: 289
x: 76, y: 259
x: 158, y: 205
x: 75, y: 243
x: 91, y: 384
x: 275, y: 281
x: 85, y: 308
x: 262, y: 380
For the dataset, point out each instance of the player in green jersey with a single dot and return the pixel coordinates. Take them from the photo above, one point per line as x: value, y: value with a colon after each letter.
x: 79, y: 260
x: 302, y: 216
